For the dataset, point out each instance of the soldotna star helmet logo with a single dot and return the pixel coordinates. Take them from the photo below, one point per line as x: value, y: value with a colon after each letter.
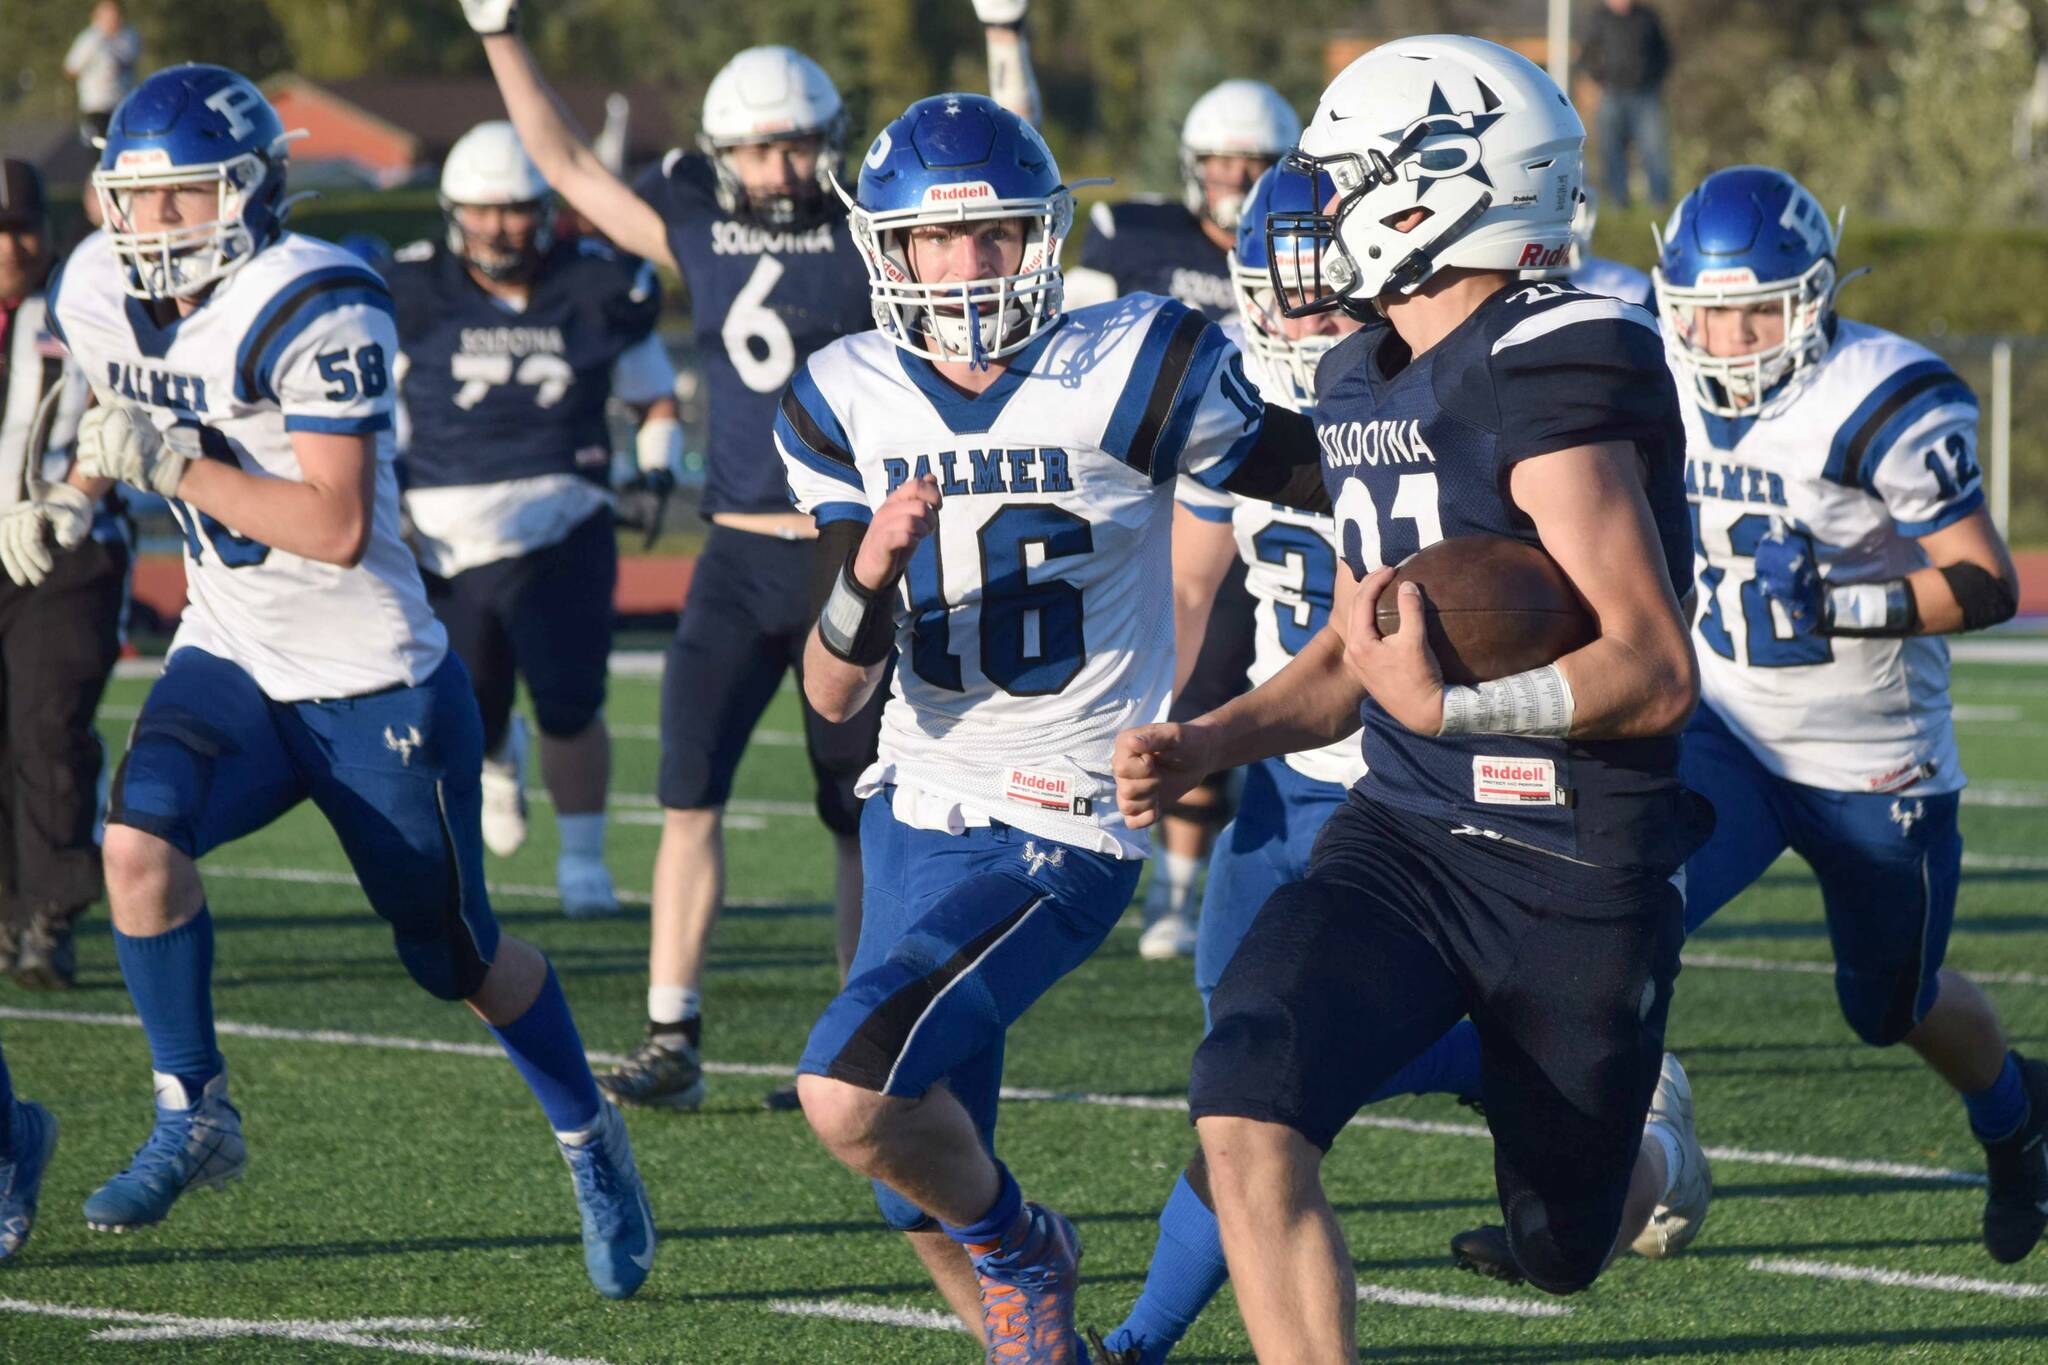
x: 1450, y: 146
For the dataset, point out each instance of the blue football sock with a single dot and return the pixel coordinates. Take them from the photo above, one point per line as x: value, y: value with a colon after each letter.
x: 1450, y: 1066
x: 1186, y: 1271
x: 170, y: 978
x: 544, y: 1045
x: 1003, y: 1219
x: 2000, y: 1108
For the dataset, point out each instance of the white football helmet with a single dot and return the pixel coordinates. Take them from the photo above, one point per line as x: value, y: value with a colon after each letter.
x: 762, y: 95
x: 1472, y: 134
x: 489, y: 165
x: 1237, y: 118
x: 1585, y: 217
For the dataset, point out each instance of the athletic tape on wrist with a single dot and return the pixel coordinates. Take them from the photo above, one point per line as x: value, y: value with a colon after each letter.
x: 1538, y: 702
x: 1885, y: 608
x: 856, y: 625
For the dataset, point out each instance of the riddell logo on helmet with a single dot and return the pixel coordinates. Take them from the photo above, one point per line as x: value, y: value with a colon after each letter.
x: 147, y: 159
x: 1740, y: 274
x: 1536, y: 256
x: 953, y: 194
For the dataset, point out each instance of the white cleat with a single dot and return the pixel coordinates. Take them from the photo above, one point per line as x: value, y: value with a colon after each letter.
x: 504, y: 784
x: 1168, y: 937
x: 1677, y: 1220
x: 585, y: 885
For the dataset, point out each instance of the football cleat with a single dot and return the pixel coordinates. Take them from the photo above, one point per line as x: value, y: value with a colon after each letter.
x: 1677, y: 1220
x: 659, y: 1075
x: 1484, y: 1251
x: 46, y: 958
x: 504, y: 785
x: 783, y: 1099
x: 1170, y: 936
x: 1105, y: 1354
x: 1027, y: 1293
x: 33, y: 1130
x: 618, y: 1224
x: 197, y: 1142
x: 585, y: 885
x: 2016, y: 1169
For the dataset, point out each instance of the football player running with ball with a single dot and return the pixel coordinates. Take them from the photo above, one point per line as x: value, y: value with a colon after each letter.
x: 1839, y: 513
x: 993, y: 482
x: 244, y: 373
x: 1547, y: 912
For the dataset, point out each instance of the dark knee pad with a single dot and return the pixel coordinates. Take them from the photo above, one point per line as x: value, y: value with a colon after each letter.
x: 1882, y: 1007
x: 565, y: 718
x: 898, y: 1212
x: 1555, y: 1261
x: 447, y: 966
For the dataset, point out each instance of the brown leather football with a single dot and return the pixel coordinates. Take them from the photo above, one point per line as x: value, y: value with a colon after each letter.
x: 1494, y: 605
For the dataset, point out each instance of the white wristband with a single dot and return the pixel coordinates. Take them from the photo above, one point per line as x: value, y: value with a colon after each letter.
x: 1538, y: 702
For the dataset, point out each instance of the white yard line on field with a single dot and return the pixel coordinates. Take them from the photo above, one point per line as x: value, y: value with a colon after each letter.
x: 1154, y: 1103
x: 369, y: 1334
x: 1461, y: 1303
x: 1774, y: 964
x: 1979, y: 650
x: 871, y: 1313
x: 1899, y: 1279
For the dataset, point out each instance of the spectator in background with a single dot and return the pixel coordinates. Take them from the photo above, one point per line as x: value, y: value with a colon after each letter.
x: 1626, y: 52
x: 102, y: 60
x: 59, y: 625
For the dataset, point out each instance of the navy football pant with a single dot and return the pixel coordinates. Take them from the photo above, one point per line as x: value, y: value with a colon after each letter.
x: 1400, y: 928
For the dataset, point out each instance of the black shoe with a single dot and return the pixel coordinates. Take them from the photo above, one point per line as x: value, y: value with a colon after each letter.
x: 782, y: 1099
x: 2016, y: 1169
x: 1484, y: 1251
x: 47, y: 958
x: 1102, y: 1355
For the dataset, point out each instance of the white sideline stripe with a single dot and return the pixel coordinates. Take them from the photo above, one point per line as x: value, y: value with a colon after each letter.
x: 1833, y: 1164
x: 357, y: 1332
x: 1968, y: 712
x: 1460, y: 1303
x: 621, y: 663
x: 1899, y: 1279
x: 872, y: 1313
x: 1773, y: 964
x: 317, y: 877
x: 1981, y: 651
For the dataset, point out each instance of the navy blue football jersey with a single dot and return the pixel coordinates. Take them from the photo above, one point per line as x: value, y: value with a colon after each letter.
x: 762, y: 299
x: 494, y: 394
x: 1153, y: 247
x: 1415, y: 450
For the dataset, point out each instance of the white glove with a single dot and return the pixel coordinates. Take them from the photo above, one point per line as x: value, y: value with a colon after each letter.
x: 119, y: 442
x: 492, y: 17
x: 1001, y: 13
x: 24, y: 549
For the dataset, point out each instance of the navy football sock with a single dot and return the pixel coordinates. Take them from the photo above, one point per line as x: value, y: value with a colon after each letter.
x: 2000, y: 1108
x: 1003, y: 1219
x: 544, y: 1044
x: 170, y: 978
x: 1450, y: 1066
x: 1186, y: 1271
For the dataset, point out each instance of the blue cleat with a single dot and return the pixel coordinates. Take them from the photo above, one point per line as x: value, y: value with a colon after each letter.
x: 34, y: 1132
x: 618, y: 1225
x: 1027, y: 1293
x: 197, y: 1142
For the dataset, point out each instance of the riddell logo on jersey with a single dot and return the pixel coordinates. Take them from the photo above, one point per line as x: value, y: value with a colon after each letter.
x: 1047, y: 791
x: 950, y: 194
x: 1536, y: 256
x: 1514, y: 781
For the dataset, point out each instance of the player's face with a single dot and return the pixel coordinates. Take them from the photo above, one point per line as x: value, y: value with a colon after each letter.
x: 21, y: 259
x: 499, y: 235
x: 1739, y: 331
x: 166, y: 208
x: 1230, y: 177
x: 948, y: 253
x: 779, y: 169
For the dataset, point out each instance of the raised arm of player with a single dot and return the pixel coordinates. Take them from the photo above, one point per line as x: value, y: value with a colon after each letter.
x: 565, y: 157
x: 1011, y: 81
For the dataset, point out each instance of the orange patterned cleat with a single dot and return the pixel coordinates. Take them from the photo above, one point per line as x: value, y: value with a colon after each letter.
x: 1027, y: 1293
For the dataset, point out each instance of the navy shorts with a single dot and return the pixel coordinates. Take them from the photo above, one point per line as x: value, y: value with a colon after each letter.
x: 743, y: 629
x: 545, y: 617
x: 1400, y: 928
x: 395, y: 772
x: 1889, y: 868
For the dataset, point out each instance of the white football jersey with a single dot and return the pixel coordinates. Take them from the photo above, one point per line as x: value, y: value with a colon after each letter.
x: 1290, y: 562
x: 1037, y: 620
x: 1877, y: 449
x: 1598, y: 275
x: 298, y: 339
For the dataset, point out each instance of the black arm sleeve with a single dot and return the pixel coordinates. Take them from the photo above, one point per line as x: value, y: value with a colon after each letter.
x: 1986, y: 599
x: 1285, y: 464
x: 837, y: 541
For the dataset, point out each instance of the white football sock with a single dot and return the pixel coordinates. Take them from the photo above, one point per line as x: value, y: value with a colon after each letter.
x: 582, y: 835
x: 1173, y: 884
x: 672, y: 1004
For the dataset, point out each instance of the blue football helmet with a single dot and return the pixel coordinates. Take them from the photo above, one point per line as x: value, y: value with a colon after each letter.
x: 1748, y: 235
x: 961, y: 159
x: 1267, y: 259
x: 188, y: 125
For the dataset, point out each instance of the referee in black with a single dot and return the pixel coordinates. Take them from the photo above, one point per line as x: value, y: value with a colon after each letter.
x: 59, y: 636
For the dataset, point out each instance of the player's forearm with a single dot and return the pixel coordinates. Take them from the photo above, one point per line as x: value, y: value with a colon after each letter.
x: 329, y: 523
x: 1634, y: 685
x: 1312, y: 702
x: 1011, y: 81
x: 835, y: 688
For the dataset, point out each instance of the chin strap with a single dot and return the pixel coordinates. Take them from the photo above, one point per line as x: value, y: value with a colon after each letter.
x: 977, y: 354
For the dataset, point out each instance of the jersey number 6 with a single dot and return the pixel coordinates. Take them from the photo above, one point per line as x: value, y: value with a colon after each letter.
x: 1033, y: 636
